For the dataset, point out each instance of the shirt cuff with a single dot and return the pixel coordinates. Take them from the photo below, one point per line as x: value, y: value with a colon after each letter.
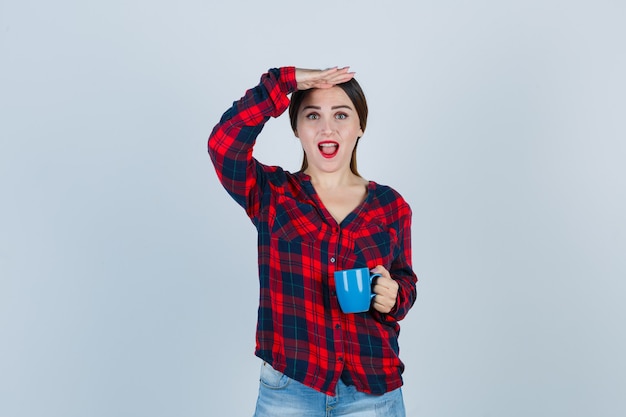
x: 288, y: 79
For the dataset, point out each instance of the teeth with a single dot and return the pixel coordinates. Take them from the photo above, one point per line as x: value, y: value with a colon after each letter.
x: 327, y: 145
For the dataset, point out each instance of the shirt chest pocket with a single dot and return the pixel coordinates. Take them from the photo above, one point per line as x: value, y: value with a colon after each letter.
x: 296, y: 221
x: 375, y: 244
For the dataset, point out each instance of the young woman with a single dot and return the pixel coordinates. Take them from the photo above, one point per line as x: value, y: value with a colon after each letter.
x: 318, y: 361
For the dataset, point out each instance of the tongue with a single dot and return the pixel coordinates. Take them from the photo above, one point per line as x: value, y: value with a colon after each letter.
x: 328, y: 150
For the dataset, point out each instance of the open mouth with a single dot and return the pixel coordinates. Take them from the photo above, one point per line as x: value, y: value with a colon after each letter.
x: 328, y: 149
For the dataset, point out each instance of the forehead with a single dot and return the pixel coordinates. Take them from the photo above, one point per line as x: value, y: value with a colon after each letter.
x: 327, y: 97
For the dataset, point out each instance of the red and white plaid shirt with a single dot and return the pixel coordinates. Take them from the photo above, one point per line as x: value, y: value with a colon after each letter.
x: 301, y: 330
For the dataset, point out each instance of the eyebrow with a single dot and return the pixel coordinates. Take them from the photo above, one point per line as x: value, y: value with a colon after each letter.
x: 341, y: 106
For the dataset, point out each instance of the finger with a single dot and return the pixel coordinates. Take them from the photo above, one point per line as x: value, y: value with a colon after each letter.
x: 379, y: 269
x: 384, y: 291
x: 341, y: 76
x: 387, y: 283
x: 327, y: 83
x: 322, y: 78
x: 335, y: 69
x: 336, y: 75
x: 323, y: 75
x: 382, y: 306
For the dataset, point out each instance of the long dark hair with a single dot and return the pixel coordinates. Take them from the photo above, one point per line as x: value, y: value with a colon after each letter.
x: 355, y: 94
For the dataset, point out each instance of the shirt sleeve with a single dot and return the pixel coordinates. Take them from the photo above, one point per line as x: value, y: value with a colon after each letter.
x: 232, y: 139
x: 402, y: 272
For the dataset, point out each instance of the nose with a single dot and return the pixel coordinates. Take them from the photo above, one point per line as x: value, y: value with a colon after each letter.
x: 326, y: 127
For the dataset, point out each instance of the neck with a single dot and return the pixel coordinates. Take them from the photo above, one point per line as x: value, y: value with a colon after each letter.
x: 330, y: 180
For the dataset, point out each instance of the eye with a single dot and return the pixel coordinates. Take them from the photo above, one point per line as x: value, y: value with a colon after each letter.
x: 312, y: 116
x: 341, y: 116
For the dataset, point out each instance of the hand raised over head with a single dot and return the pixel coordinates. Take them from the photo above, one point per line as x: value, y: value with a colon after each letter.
x: 309, y: 78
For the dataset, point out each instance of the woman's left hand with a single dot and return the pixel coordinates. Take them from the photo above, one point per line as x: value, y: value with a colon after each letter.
x: 386, y: 290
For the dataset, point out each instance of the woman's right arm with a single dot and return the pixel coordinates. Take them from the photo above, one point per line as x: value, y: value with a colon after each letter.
x: 232, y: 139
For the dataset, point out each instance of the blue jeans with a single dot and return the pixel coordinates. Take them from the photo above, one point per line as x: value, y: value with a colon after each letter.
x: 281, y: 396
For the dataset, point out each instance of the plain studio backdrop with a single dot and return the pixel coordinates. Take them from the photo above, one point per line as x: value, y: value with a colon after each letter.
x: 128, y: 280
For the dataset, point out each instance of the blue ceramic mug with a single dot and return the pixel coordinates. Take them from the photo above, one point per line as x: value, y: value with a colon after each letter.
x: 354, y: 289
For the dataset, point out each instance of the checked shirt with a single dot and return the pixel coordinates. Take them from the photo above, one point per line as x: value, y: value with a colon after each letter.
x: 301, y: 330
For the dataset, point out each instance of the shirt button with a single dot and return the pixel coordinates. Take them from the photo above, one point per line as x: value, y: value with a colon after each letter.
x: 337, y: 326
x: 340, y: 359
x: 332, y: 260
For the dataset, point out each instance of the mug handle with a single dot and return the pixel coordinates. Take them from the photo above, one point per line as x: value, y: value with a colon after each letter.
x: 372, y: 278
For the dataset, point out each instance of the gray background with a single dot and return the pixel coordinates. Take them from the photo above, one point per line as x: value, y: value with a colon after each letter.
x: 128, y: 276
